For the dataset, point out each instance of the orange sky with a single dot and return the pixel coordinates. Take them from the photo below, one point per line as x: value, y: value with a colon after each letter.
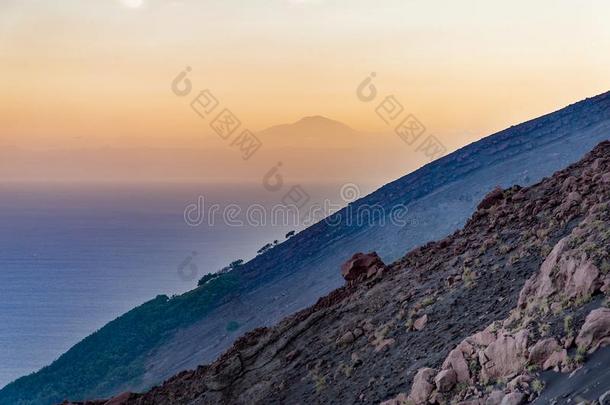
x: 88, y: 73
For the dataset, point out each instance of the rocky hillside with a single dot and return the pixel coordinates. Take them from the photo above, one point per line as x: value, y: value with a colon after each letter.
x: 476, y: 317
x: 165, y: 336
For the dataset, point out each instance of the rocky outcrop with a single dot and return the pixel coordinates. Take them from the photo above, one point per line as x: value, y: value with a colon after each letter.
x: 564, y: 271
x: 569, y: 277
x: 503, y: 357
x: 471, y: 319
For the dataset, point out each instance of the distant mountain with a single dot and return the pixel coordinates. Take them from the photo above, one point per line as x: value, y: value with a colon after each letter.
x: 165, y: 336
x: 330, y: 143
x: 313, y: 132
x: 475, y: 317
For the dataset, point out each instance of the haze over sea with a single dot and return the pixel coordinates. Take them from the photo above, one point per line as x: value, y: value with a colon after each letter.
x: 74, y: 257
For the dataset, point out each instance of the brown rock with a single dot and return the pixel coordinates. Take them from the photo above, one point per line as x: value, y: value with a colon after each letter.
x: 445, y: 380
x: 422, y: 386
x: 596, y: 330
x: 492, y: 198
x: 362, y: 266
x: 456, y: 362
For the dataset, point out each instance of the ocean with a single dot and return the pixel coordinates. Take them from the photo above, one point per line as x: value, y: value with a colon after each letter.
x: 75, y: 256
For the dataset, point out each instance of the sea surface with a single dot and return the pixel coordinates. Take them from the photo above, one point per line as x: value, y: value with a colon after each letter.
x: 74, y: 257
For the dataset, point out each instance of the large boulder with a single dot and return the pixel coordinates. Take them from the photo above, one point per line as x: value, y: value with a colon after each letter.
x: 596, y: 330
x: 457, y: 362
x: 492, y: 198
x: 445, y: 380
x: 362, y: 266
x: 422, y: 386
x: 504, y: 357
x: 547, y: 354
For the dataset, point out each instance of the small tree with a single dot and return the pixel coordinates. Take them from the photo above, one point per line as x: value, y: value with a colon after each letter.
x: 206, y: 278
x: 236, y: 263
x: 264, y: 248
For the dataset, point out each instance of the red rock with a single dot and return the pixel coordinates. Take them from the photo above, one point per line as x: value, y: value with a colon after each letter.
x: 422, y: 386
x: 492, y: 198
x: 575, y: 277
x: 596, y: 330
x: 506, y: 356
x: 362, y: 266
x: 456, y: 362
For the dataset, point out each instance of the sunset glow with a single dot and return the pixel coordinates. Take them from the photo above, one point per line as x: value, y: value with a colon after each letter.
x: 97, y: 73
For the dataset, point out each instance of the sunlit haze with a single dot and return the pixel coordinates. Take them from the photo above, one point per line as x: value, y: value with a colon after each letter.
x: 97, y: 73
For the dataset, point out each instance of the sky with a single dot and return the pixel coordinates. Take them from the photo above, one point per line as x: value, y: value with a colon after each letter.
x: 98, y: 73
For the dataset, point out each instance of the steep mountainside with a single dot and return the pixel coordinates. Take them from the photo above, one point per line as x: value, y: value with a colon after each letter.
x: 523, y: 287
x: 165, y: 336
